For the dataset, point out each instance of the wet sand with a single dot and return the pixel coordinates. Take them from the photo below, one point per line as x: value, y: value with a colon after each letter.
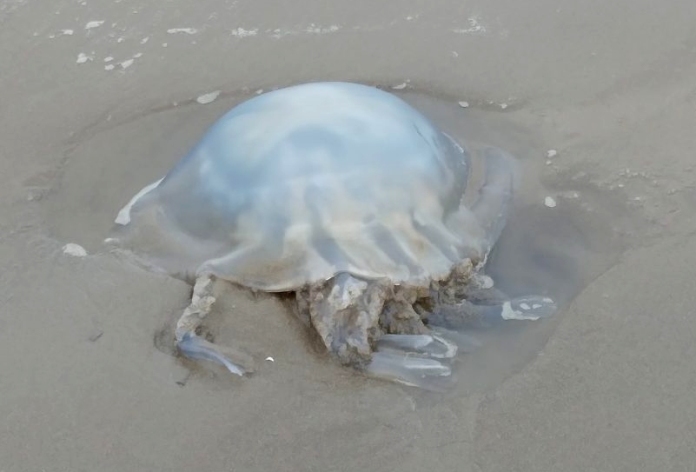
x: 87, y: 377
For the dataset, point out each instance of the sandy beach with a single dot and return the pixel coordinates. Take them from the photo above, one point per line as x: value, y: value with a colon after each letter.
x: 596, y: 99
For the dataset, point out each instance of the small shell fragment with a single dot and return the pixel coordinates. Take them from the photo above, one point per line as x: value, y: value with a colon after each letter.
x: 270, y: 359
x: 484, y: 281
x: 82, y: 58
x: 73, y: 249
x: 94, y: 24
x: 550, y: 202
x: 208, y: 97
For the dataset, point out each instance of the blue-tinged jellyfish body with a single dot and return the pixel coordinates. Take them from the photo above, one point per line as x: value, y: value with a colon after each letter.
x: 299, y: 184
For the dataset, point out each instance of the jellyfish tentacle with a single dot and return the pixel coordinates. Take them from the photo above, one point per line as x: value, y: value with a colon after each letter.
x: 194, y: 346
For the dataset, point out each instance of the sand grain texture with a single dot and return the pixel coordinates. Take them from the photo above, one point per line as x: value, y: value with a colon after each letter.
x: 87, y: 382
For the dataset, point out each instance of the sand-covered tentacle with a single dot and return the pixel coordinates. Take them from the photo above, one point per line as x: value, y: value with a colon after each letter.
x: 418, y: 360
x: 426, y: 345
x: 195, y: 347
x: 415, y: 371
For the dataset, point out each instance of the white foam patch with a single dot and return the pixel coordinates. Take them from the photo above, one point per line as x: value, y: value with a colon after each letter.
x: 75, y: 250
x: 123, y: 217
x: 475, y: 27
x: 182, y: 30
x: 312, y: 29
x: 244, y: 33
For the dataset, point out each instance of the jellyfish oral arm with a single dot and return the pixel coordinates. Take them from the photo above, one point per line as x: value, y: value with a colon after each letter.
x: 194, y: 346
